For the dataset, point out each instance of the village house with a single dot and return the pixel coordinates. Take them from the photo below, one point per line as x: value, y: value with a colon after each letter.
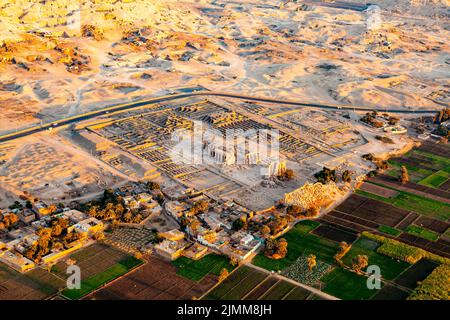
x: 42, y: 209
x: 55, y: 255
x: 74, y: 216
x: 173, y: 235
x: 88, y: 226
x: 195, y: 252
x: 171, y: 249
x: 16, y: 261
x: 26, y: 216
x: 176, y: 209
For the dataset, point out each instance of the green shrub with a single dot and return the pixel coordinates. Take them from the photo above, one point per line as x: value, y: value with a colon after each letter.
x: 435, y: 287
x: 403, y: 251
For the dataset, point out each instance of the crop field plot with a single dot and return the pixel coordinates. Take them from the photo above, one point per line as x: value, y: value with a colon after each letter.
x: 335, y: 233
x: 422, y: 232
x: 433, y: 224
x: 238, y: 284
x: 99, y: 264
x: 429, y: 171
x: 369, y: 212
x: 300, y: 242
x: 197, y: 269
x: 346, y: 285
x: 389, y: 230
x: 91, y: 260
x: 417, y: 272
x: 440, y: 247
x: 36, y: 284
x: 406, y: 201
x: 436, y: 179
x: 390, y: 292
x: 390, y: 268
x: 250, y: 284
x: 300, y: 272
x: 96, y: 281
x: 439, y: 151
x: 378, y: 190
x: 155, y: 280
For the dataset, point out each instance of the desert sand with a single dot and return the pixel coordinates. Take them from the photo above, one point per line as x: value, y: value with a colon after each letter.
x: 62, y: 58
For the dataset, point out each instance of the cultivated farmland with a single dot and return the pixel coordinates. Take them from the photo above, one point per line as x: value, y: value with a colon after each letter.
x: 155, y: 280
x: 250, y: 284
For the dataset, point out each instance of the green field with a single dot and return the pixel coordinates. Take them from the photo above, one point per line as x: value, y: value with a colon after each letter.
x: 428, y: 177
x: 438, y: 161
x: 300, y: 241
x: 279, y: 291
x: 422, y: 232
x: 96, y: 281
x: 249, y: 283
x: 389, y: 230
x: 436, y: 179
x: 390, y: 268
x: 243, y: 278
x: 346, y: 285
x: 37, y: 284
x: 412, y: 202
x: 415, y: 174
x: 197, y: 269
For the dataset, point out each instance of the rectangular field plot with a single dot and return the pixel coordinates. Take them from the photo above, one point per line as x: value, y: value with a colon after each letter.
x: 250, y: 284
x: 156, y: 280
x: 298, y: 294
x: 300, y: 242
x: 369, y: 212
x: 439, y: 247
x: 417, y: 272
x: 433, y: 224
x: 389, y: 230
x: 91, y: 260
x: 422, y: 232
x: 197, y: 269
x: 237, y: 285
x: 96, y: 281
x: 390, y: 268
x: 346, y: 285
x: 335, y: 233
x: 278, y: 292
x: 260, y: 290
x: 436, y: 179
x: 406, y: 201
x: 390, y: 292
x: 36, y: 284
x: 378, y: 190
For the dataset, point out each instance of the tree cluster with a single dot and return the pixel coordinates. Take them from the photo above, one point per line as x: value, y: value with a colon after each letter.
x: 8, y: 221
x: 199, y: 207
x: 276, y: 249
x: 326, y: 175
x: 287, y: 175
x: 55, y: 237
x: 371, y: 119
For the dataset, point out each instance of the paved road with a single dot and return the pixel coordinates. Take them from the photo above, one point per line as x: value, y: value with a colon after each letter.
x: 121, y: 107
